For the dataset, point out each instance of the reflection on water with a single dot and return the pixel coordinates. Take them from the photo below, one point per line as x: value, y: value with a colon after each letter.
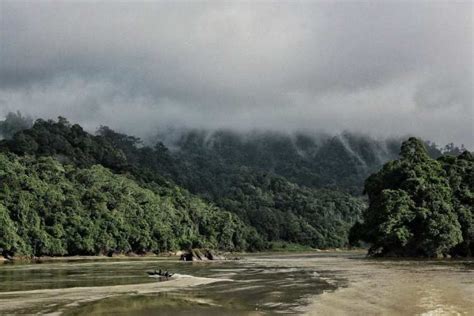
x: 321, y: 283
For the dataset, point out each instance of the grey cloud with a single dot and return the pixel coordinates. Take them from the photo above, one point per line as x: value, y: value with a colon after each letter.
x: 446, y: 90
x: 384, y: 68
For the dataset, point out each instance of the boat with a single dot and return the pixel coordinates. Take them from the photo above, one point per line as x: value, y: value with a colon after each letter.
x: 159, y: 273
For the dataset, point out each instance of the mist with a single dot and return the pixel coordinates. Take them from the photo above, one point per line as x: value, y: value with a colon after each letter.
x: 381, y: 68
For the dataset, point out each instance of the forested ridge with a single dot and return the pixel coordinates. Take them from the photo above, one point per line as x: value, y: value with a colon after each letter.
x: 341, y: 162
x: 220, y: 190
x: 58, y: 198
x: 48, y: 208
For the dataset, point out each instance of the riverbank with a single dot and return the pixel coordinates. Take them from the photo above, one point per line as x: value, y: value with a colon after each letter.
x: 83, y: 258
x: 279, y: 248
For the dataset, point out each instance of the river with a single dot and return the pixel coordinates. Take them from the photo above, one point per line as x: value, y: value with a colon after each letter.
x: 311, y: 283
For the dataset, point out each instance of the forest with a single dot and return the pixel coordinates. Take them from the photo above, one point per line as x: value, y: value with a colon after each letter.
x: 65, y: 191
x: 419, y: 206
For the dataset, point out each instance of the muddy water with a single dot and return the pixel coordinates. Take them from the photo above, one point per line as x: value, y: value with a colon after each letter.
x: 314, y: 284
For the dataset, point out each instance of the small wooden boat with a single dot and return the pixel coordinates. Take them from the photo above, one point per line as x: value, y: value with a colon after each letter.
x: 159, y: 273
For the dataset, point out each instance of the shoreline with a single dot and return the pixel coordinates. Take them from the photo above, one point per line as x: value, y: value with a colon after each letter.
x: 232, y: 256
x: 175, y: 255
x: 78, y: 258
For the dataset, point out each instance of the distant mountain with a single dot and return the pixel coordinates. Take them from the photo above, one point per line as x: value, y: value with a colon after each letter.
x: 339, y: 162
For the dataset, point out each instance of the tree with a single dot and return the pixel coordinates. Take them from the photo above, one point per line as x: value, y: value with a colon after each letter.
x: 10, y: 242
x: 412, y: 207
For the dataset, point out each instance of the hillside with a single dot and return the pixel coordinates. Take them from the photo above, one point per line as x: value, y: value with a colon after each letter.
x: 339, y: 162
x: 47, y: 208
x: 277, y: 208
x: 317, y: 161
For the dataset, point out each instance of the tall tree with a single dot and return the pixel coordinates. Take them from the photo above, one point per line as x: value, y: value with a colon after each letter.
x: 414, y: 207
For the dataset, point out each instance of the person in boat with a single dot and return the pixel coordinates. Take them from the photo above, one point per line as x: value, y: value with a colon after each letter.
x: 155, y: 272
x: 165, y: 274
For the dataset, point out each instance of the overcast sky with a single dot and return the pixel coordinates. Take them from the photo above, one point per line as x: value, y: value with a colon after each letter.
x: 383, y: 68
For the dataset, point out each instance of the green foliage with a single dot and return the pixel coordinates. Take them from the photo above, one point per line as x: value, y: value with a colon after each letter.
x: 9, y: 239
x: 53, y: 209
x: 460, y: 173
x: 276, y: 207
x: 419, y: 206
x: 67, y: 143
x: 341, y: 163
x: 281, y: 210
x: 288, y: 188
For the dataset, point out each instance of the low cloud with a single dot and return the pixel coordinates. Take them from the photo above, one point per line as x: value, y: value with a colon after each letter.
x: 384, y: 68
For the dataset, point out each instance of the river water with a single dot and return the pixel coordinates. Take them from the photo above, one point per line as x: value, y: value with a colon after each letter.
x: 311, y: 283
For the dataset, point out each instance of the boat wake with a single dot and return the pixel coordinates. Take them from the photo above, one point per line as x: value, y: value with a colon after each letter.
x: 44, y: 301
